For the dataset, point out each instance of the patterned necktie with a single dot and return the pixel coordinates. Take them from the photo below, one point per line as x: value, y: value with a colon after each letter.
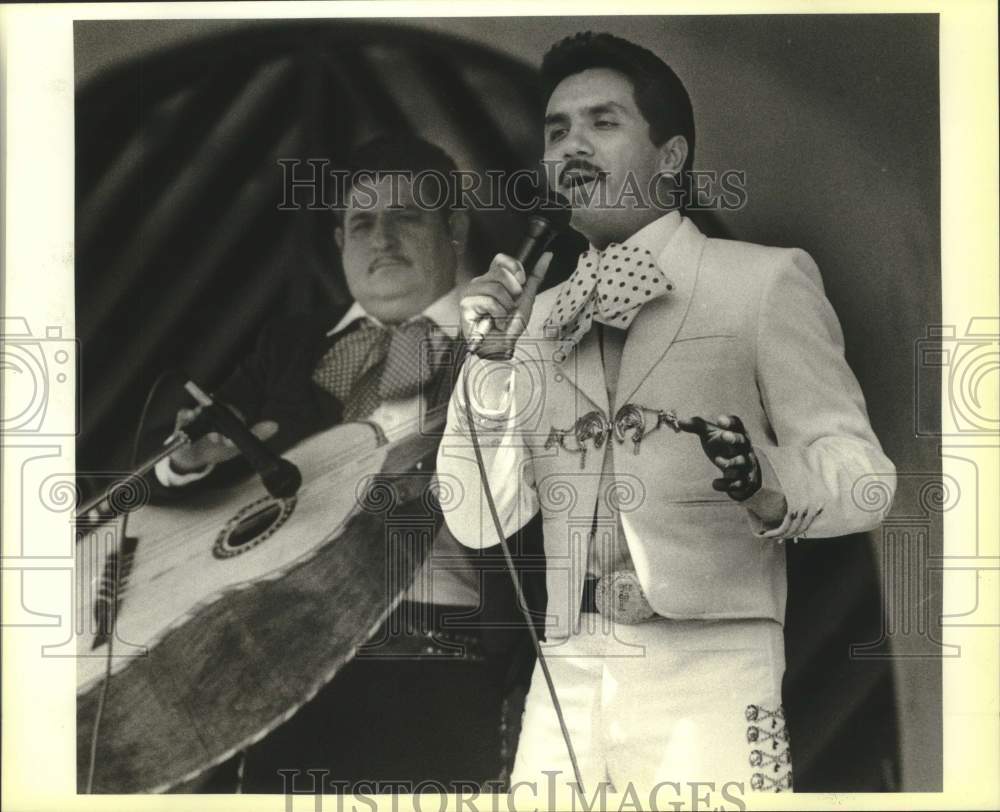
x: 608, y: 286
x: 373, y: 363
x: 407, y: 363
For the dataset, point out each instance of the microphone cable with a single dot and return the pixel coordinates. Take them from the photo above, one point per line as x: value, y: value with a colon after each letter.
x: 522, y: 603
x: 112, y: 614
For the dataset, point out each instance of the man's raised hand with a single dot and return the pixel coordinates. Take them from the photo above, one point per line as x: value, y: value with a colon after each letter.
x: 213, y: 448
x: 727, y: 444
x: 504, y: 296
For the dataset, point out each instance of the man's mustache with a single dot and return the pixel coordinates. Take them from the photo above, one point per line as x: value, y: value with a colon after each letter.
x: 387, y: 259
x: 581, y: 166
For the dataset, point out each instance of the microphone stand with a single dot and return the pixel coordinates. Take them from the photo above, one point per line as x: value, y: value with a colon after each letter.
x: 180, y: 438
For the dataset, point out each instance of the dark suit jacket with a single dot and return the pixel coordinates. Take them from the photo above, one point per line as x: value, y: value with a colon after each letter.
x: 275, y: 383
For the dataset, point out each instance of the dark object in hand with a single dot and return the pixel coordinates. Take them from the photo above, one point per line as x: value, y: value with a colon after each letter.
x: 727, y: 444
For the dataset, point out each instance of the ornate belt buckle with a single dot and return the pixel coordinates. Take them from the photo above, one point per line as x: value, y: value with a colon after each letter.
x: 619, y: 596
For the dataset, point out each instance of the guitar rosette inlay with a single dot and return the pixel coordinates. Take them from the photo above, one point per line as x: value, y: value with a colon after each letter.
x: 252, y: 524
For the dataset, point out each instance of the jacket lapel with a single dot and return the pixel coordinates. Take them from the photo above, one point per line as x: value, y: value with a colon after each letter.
x: 656, y: 326
x: 582, y: 367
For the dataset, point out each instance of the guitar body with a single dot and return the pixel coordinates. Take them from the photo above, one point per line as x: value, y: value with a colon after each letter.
x: 233, y: 609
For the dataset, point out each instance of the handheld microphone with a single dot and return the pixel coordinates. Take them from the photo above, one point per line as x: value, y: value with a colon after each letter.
x: 281, y: 477
x: 546, y: 220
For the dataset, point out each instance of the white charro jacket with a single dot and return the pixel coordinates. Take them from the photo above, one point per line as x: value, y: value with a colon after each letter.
x: 748, y: 331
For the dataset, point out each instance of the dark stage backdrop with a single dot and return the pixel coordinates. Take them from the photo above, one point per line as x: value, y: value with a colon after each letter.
x: 182, y: 253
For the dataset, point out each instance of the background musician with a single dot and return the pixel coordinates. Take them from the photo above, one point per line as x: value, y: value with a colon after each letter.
x: 401, y: 260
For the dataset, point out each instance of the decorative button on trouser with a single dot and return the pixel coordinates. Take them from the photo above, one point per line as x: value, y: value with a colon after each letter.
x: 662, y: 701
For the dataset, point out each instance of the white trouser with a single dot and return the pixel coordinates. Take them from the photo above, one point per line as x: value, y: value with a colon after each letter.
x: 663, y: 701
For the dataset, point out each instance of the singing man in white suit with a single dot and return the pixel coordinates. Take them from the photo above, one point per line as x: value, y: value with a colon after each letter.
x: 677, y: 410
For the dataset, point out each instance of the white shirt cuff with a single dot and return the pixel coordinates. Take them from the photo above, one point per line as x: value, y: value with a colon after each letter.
x: 170, y: 478
x: 767, y: 509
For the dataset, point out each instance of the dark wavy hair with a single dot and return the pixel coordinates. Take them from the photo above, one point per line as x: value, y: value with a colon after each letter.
x: 405, y: 152
x: 659, y: 94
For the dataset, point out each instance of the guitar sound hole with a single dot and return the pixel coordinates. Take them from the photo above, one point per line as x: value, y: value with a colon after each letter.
x: 251, y: 525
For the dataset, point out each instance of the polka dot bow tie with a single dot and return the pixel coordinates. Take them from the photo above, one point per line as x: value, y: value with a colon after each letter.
x: 610, y: 286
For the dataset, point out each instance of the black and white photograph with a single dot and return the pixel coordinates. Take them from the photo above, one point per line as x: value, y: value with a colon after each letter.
x: 575, y: 411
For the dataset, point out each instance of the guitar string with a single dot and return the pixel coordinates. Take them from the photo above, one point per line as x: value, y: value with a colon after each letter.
x: 108, y: 658
x: 350, y: 453
x: 157, y: 591
x: 158, y: 549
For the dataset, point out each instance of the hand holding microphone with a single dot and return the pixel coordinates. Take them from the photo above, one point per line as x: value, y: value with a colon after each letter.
x: 497, y: 305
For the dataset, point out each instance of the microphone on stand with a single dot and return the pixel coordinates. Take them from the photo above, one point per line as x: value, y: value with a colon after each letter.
x: 281, y: 478
x: 547, y: 219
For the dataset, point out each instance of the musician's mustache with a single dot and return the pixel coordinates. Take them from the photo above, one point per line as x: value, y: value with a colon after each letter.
x: 579, y: 168
x: 387, y: 259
